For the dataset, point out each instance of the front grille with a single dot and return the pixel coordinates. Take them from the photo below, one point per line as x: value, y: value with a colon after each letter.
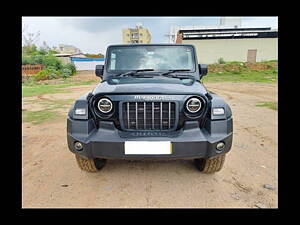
x: 148, y: 115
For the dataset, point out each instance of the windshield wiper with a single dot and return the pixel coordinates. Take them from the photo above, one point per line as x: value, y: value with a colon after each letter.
x: 168, y: 74
x: 179, y: 76
x: 132, y: 72
x: 174, y: 71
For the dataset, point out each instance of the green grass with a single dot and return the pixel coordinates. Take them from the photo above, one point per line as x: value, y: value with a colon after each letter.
x: 57, y: 104
x: 265, y: 76
x: 37, y: 117
x: 270, y: 105
x: 34, y: 89
x: 48, y: 113
x: 265, y: 72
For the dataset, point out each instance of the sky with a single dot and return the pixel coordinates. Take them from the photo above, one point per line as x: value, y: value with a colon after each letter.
x: 93, y: 34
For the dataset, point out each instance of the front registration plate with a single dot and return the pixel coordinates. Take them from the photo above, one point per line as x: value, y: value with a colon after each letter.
x: 148, y: 147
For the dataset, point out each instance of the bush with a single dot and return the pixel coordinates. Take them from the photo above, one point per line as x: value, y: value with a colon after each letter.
x: 48, y: 74
x: 38, y: 59
x: 65, y: 73
x: 53, y: 73
x: 46, y: 60
x: 26, y: 60
x: 53, y: 67
x: 42, y: 75
x: 52, y: 61
x: 29, y: 49
x: 71, y: 67
x: 221, y: 61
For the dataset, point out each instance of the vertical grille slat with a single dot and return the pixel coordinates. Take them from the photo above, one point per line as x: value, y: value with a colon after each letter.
x: 128, y: 125
x: 152, y: 115
x: 148, y: 115
x: 136, y: 116
x: 161, y: 126
x: 169, y: 107
x: 144, y: 115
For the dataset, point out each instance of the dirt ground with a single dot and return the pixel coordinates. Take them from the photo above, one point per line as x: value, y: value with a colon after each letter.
x: 51, y: 177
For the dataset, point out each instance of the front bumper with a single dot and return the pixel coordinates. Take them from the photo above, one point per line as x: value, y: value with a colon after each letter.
x: 188, y: 143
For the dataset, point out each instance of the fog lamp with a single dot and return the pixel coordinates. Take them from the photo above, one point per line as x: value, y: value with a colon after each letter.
x: 220, y: 146
x: 78, y: 146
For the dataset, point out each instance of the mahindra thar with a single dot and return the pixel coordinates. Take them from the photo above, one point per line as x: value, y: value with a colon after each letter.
x: 150, y: 104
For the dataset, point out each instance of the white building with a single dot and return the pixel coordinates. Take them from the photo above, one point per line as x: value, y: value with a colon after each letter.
x: 229, y: 41
x: 87, y: 63
x: 68, y: 49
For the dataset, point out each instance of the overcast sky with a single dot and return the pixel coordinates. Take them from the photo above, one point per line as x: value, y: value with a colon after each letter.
x: 94, y: 34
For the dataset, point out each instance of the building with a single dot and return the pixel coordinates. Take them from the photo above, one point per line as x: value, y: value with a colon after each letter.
x: 67, y: 57
x: 87, y: 63
x: 228, y: 40
x: 80, y: 61
x: 68, y: 49
x: 138, y: 34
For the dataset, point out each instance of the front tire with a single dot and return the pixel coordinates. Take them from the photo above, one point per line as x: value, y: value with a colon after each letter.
x: 90, y: 165
x: 210, y: 165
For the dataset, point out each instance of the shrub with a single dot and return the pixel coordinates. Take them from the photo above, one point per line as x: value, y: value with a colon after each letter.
x: 221, y: 61
x: 26, y: 60
x: 42, y: 75
x: 46, y: 60
x: 53, y: 67
x: 65, y: 73
x: 71, y: 67
x: 29, y: 49
x: 53, y: 73
x: 47, y: 74
x: 52, y: 61
x: 37, y: 59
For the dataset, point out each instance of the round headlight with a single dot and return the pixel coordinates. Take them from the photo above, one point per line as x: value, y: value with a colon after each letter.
x: 193, y: 105
x: 105, y: 105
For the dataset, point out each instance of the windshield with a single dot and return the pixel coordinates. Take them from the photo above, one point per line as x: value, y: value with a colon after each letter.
x: 158, y: 58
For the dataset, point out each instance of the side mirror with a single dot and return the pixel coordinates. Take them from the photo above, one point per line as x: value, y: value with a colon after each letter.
x: 203, y: 69
x: 99, y: 71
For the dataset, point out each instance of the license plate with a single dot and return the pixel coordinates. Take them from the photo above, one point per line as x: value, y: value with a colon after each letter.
x: 148, y: 147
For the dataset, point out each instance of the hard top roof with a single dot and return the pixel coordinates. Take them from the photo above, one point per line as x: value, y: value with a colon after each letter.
x: 136, y: 44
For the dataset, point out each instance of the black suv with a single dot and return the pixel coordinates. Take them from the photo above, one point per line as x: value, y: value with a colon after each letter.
x: 150, y: 104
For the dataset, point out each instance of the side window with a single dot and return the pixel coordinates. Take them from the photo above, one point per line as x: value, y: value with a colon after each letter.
x: 190, y: 59
x: 112, y: 61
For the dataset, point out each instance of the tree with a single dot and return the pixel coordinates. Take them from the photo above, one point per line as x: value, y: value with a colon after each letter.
x: 29, y: 49
x: 44, y: 49
x: 29, y: 40
x: 24, y: 29
x: 52, y: 51
x: 45, y: 46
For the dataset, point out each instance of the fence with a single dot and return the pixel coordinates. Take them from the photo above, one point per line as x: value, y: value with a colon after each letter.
x: 31, y: 69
